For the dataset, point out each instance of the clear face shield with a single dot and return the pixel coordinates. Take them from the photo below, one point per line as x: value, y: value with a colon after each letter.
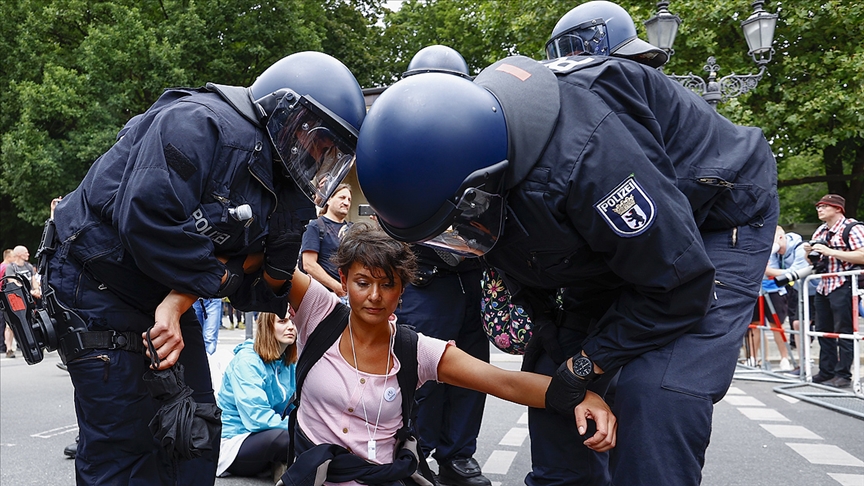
x: 587, y: 38
x: 477, y: 225
x: 315, y: 145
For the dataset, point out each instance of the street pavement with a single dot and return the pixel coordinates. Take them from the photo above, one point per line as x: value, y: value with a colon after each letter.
x: 760, y: 437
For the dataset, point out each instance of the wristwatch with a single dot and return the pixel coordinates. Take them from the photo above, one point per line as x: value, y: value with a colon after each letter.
x: 583, y: 368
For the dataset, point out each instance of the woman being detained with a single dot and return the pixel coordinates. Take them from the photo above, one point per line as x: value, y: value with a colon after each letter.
x: 351, y: 397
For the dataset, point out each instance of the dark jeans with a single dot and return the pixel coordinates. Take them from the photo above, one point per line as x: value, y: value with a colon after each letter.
x: 834, y: 314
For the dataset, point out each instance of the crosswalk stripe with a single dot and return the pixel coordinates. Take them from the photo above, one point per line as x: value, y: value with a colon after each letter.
x: 743, y: 401
x: 827, y: 454
x: 514, y: 437
x: 848, y: 479
x: 762, y: 414
x: 790, y: 431
x: 498, y: 462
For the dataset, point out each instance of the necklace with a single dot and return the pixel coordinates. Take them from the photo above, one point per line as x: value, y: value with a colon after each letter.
x: 370, y: 444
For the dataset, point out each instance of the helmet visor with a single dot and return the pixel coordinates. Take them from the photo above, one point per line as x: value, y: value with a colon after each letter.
x: 316, y: 147
x: 476, y: 227
x: 587, y: 38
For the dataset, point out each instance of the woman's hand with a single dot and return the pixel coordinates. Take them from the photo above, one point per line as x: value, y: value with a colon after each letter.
x: 593, y: 407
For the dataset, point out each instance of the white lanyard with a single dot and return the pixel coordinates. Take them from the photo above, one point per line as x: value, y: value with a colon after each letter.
x: 370, y: 444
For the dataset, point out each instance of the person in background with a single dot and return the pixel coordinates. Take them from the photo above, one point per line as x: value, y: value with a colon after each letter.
x: 8, y: 338
x: 844, y: 251
x: 321, y: 239
x: 209, y: 312
x: 256, y: 391
x: 778, y: 264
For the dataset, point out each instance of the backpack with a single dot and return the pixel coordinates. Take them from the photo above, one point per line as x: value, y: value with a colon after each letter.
x: 405, y: 349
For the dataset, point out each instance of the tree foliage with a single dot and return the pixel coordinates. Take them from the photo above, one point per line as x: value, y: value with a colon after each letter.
x: 74, y: 71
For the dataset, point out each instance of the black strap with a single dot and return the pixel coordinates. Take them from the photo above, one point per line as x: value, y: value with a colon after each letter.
x: 405, y: 349
x: 850, y: 223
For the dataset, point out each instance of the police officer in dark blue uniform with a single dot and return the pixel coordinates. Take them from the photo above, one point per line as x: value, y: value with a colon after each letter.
x: 204, y: 195
x: 601, y: 176
x: 445, y: 303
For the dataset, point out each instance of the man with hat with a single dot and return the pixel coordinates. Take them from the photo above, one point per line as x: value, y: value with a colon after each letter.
x: 841, y: 241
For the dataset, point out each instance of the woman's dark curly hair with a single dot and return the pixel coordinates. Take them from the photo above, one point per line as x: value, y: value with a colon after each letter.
x: 373, y: 248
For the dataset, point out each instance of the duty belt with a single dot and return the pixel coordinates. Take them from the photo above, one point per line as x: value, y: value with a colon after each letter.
x: 76, y: 343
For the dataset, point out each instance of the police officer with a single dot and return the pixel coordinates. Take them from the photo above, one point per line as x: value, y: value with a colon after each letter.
x: 601, y: 176
x: 204, y: 195
x: 445, y: 303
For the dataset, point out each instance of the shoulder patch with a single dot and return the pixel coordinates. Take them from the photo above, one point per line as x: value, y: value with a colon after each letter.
x: 178, y: 161
x: 627, y: 209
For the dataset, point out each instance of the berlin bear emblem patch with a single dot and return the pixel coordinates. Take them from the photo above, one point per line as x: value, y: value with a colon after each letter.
x: 627, y: 209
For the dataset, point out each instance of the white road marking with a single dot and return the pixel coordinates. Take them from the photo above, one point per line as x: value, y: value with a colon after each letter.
x: 515, y: 437
x: 499, y: 462
x: 763, y: 414
x: 734, y: 390
x: 58, y: 431
x: 826, y: 454
x: 743, y: 401
x: 523, y: 419
x: 848, y: 479
x: 788, y: 398
x: 790, y: 431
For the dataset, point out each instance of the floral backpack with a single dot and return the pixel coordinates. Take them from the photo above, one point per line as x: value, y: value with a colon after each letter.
x: 506, y: 324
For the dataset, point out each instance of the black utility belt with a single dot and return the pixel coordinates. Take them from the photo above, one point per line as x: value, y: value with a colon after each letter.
x: 76, y: 343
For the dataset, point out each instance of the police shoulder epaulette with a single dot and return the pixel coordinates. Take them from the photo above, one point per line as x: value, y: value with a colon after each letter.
x: 566, y: 65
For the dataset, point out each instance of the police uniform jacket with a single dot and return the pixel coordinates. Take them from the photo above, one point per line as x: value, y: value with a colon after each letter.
x: 636, y: 167
x: 152, y: 213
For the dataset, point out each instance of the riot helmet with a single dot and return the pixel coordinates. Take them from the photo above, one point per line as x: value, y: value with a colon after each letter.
x: 431, y: 160
x: 314, y: 108
x: 600, y: 28
x: 437, y: 58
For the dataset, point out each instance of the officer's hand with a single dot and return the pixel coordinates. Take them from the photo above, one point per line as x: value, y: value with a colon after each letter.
x: 594, y: 408
x: 165, y: 334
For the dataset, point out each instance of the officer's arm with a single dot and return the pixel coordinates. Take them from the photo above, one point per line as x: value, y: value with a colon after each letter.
x: 668, y: 277
x: 163, y: 187
x: 458, y: 368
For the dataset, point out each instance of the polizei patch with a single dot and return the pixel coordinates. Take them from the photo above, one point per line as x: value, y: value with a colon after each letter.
x: 627, y: 209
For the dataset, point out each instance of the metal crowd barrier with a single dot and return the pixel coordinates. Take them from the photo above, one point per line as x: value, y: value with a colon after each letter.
x: 841, y: 400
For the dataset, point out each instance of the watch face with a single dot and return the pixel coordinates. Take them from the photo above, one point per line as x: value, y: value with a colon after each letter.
x: 583, y: 366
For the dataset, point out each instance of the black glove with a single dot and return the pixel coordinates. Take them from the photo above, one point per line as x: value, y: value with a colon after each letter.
x: 287, y: 224
x: 235, y: 276
x: 566, y: 391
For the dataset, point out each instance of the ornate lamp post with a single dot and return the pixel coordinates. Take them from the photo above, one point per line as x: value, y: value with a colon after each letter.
x: 759, y: 32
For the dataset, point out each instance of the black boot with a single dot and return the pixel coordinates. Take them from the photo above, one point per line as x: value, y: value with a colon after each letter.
x: 71, y: 450
x: 462, y: 472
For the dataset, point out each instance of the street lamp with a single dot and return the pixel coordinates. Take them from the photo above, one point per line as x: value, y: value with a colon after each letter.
x: 759, y: 32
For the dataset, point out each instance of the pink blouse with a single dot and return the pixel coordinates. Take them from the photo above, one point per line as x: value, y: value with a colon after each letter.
x: 334, y: 393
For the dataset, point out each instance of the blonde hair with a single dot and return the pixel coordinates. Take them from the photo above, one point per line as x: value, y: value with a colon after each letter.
x: 266, y: 344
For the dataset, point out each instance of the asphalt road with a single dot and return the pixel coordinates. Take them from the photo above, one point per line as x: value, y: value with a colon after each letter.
x: 760, y: 438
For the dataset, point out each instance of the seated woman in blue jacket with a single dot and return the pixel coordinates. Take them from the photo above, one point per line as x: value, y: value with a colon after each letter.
x: 254, y: 397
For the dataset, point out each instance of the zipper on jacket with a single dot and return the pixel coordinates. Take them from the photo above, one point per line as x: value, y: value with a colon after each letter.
x: 715, y: 181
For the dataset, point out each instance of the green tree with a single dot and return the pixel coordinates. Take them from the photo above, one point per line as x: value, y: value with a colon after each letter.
x: 74, y: 71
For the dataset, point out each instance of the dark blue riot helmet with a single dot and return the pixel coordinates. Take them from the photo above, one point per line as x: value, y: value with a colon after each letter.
x: 601, y: 28
x: 431, y: 160
x: 437, y: 59
x: 313, y: 107
x: 437, y: 153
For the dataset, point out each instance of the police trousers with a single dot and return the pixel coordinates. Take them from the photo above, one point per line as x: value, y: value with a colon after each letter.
x: 112, y: 405
x: 664, y: 399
